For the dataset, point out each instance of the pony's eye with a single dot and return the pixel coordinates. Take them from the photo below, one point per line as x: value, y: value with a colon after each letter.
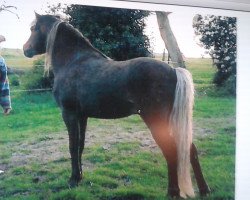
x: 34, y: 28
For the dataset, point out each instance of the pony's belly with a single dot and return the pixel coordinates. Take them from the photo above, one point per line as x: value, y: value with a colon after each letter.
x: 111, y: 111
x: 102, y: 115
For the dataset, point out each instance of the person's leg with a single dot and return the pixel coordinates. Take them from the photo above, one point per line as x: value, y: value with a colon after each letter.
x: 6, y: 104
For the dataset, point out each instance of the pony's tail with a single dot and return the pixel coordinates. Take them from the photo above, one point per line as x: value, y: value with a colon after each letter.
x: 181, y: 128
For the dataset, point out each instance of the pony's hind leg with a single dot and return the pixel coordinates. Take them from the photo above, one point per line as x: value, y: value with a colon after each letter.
x: 160, y: 131
x: 71, y: 121
x: 202, y: 185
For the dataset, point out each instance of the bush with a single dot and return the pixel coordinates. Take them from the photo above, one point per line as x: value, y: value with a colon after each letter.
x: 14, y: 80
x: 230, y: 85
x: 218, y: 34
x: 35, y: 78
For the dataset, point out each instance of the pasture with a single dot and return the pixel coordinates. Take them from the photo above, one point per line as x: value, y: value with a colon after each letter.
x: 121, y: 160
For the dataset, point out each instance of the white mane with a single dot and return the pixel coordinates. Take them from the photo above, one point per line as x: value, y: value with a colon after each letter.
x: 50, y: 46
x: 33, y: 23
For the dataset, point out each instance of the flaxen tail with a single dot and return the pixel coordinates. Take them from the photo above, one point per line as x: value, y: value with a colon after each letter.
x: 181, y: 126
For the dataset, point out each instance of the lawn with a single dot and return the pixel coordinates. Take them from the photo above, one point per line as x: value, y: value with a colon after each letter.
x: 121, y: 160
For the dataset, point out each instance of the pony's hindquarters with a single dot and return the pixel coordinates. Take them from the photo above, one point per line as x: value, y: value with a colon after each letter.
x: 181, y: 128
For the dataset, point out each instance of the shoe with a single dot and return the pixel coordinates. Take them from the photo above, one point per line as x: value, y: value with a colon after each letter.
x: 7, y: 111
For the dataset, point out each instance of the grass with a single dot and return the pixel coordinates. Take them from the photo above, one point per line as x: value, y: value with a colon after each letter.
x: 32, y: 114
x: 118, y: 161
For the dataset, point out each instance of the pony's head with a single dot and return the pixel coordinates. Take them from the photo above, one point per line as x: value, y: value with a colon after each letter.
x: 40, y: 29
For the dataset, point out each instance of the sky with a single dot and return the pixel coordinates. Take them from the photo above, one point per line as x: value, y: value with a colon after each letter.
x: 17, y: 31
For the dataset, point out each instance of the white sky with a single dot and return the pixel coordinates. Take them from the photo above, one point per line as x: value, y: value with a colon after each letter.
x: 16, y: 31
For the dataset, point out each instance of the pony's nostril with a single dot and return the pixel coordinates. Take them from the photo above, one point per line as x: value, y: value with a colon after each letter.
x: 28, y: 53
x: 28, y: 50
x: 26, y: 46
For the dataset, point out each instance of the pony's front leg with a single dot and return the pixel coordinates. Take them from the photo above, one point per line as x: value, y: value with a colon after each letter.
x: 71, y: 120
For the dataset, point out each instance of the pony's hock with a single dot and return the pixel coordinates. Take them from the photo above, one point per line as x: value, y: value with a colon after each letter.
x: 89, y: 84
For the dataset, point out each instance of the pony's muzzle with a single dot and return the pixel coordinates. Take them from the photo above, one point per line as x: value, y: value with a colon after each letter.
x: 28, y: 51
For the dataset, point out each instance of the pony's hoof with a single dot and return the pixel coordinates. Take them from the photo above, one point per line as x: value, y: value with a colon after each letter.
x: 174, y: 193
x: 205, y: 191
x: 73, y: 182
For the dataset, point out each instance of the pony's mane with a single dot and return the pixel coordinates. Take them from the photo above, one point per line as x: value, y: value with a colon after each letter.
x: 50, y: 45
x: 51, y: 41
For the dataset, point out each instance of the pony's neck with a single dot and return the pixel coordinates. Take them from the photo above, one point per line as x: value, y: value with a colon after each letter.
x: 70, y: 45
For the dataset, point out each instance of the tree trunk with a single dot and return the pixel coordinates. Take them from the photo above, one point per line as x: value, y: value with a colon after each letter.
x: 169, y: 39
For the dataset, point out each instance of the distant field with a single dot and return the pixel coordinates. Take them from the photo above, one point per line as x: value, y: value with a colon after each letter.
x: 15, y: 58
x: 121, y: 160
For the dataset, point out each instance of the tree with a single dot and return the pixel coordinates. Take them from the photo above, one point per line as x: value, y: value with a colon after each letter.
x: 116, y: 32
x: 7, y: 8
x: 169, y: 39
x: 217, y: 34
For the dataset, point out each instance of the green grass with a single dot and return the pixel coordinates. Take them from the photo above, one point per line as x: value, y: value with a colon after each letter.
x: 32, y: 114
x: 124, y: 175
x: 34, y: 149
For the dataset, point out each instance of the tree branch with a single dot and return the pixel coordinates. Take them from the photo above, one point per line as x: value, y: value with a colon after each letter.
x: 8, y: 9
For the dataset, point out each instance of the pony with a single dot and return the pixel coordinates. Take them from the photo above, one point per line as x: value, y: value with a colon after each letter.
x: 88, y: 84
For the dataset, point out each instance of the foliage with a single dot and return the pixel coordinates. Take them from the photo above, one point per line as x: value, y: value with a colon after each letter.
x: 119, y: 33
x: 35, y: 78
x: 15, y: 80
x: 217, y: 34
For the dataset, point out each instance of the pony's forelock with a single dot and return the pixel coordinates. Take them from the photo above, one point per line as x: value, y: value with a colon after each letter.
x: 33, y: 23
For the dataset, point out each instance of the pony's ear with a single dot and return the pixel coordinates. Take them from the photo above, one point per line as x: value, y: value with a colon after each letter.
x: 37, y: 15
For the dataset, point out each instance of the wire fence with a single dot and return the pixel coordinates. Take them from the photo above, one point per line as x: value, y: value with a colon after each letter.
x: 16, y: 69
x: 31, y: 90
x: 24, y: 67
